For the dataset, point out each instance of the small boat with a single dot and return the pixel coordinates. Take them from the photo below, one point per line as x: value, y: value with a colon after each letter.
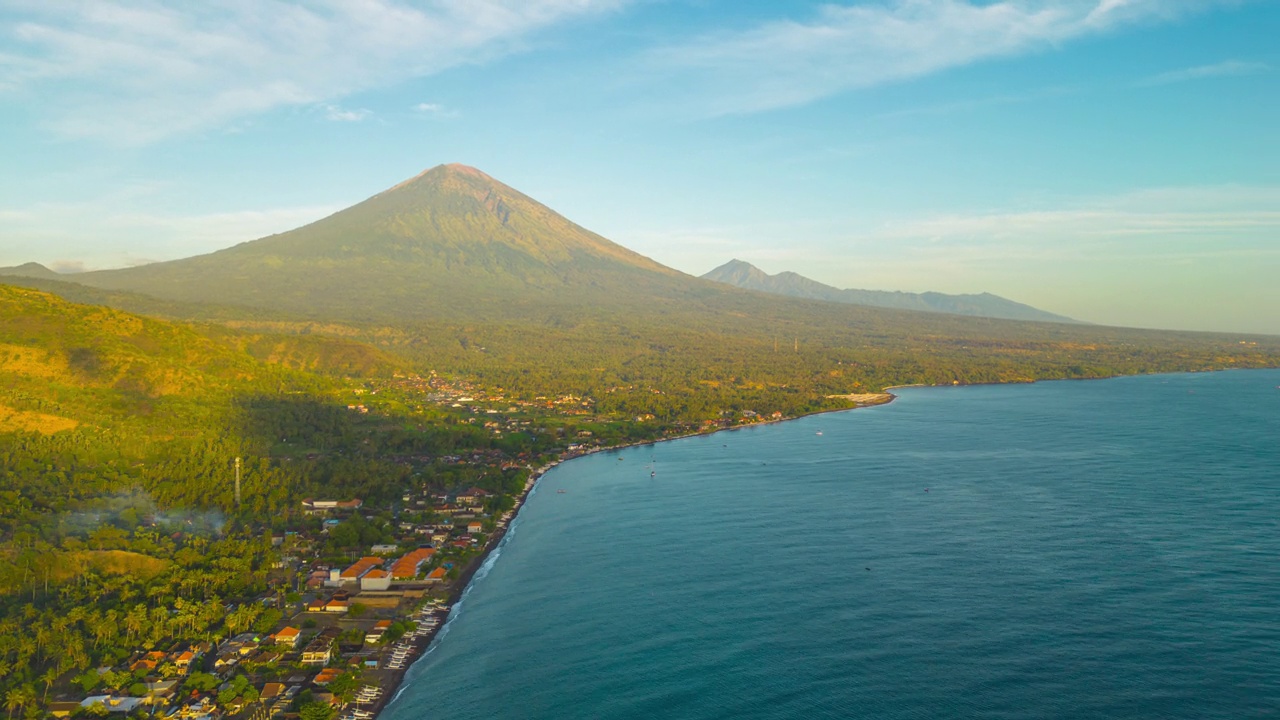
x: 560, y: 492
x: 818, y: 433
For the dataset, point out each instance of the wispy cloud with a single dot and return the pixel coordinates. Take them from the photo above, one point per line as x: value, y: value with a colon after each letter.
x: 1226, y: 68
x: 844, y: 47
x: 95, y: 235
x: 339, y: 114
x: 137, y: 72
x: 435, y: 110
x: 1166, y: 225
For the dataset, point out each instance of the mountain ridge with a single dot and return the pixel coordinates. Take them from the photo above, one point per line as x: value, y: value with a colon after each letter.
x: 742, y: 274
x: 31, y: 270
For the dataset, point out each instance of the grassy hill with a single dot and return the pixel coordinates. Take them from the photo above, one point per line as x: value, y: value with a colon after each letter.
x: 96, y: 401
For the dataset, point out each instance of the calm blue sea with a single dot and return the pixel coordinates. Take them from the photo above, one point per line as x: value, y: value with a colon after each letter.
x: 1098, y: 549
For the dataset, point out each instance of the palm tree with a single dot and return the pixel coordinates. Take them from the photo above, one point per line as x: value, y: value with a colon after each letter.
x: 18, y: 697
x: 136, y: 621
x: 49, y: 677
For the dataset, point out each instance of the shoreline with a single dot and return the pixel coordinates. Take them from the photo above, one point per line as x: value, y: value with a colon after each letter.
x: 395, y: 682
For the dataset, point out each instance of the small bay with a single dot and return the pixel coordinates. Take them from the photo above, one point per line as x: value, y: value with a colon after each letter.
x: 1055, y: 550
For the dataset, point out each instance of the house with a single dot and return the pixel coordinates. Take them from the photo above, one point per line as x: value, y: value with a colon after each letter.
x: 183, y: 660
x: 160, y: 689
x: 287, y: 636
x: 316, y: 605
x: 337, y: 606
x: 271, y: 691
x: 113, y: 703
x: 326, y: 676
x: 148, y: 662
x: 474, y: 496
x: 376, y: 632
x: 353, y: 574
x: 376, y: 579
x: 320, y: 650
x: 436, y: 575
x: 244, y: 643
x: 408, y: 567
x: 266, y: 656
x: 475, y: 528
x: 199, y: 709
x: 384, y: 549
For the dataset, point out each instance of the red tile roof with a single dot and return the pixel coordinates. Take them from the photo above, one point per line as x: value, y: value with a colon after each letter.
x: 408, y: 566
x: 362, y: 566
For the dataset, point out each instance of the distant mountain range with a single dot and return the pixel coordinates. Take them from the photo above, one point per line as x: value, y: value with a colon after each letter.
x: 456, y: 245
x: 745, y: 275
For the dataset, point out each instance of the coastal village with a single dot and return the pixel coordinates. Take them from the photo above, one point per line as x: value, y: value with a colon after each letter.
x: 330, y: 640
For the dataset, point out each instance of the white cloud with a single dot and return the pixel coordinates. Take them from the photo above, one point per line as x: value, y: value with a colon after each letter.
x: 338, y: 114
x: 435, y: 110
x: 1228, y: 68
x: 844, y: 47
x: 140, y: 71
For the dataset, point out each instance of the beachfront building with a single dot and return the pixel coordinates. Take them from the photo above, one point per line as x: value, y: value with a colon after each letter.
x: 376, y: 632
x: 352, y: 575
x: 408, y: 567
x: 376, y: 579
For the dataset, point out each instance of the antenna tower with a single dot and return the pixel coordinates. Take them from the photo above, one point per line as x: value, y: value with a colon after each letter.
x: 237, y: 482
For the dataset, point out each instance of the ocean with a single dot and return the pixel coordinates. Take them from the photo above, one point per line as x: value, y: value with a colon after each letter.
x: 1084, y: 549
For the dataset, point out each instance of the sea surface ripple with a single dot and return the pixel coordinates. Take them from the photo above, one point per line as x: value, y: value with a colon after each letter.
x: 1103, y: 549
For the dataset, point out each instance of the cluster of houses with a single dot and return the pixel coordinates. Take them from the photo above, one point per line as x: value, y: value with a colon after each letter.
x: 284, y: 663
x: 320, y: 637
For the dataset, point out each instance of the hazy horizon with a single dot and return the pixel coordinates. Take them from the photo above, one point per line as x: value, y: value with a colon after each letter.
x: 1115, y: 161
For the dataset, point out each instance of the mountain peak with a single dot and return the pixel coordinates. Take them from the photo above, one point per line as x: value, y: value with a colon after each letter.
x: 31, y: 269
x: 460, y: 168
x: 439, y: 173
x: 449, y: 241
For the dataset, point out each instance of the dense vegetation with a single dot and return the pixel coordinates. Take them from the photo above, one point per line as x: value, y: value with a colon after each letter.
x: 119, y: 527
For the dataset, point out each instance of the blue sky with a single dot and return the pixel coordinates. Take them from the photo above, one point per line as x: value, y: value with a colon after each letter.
x: 1117, y: 161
